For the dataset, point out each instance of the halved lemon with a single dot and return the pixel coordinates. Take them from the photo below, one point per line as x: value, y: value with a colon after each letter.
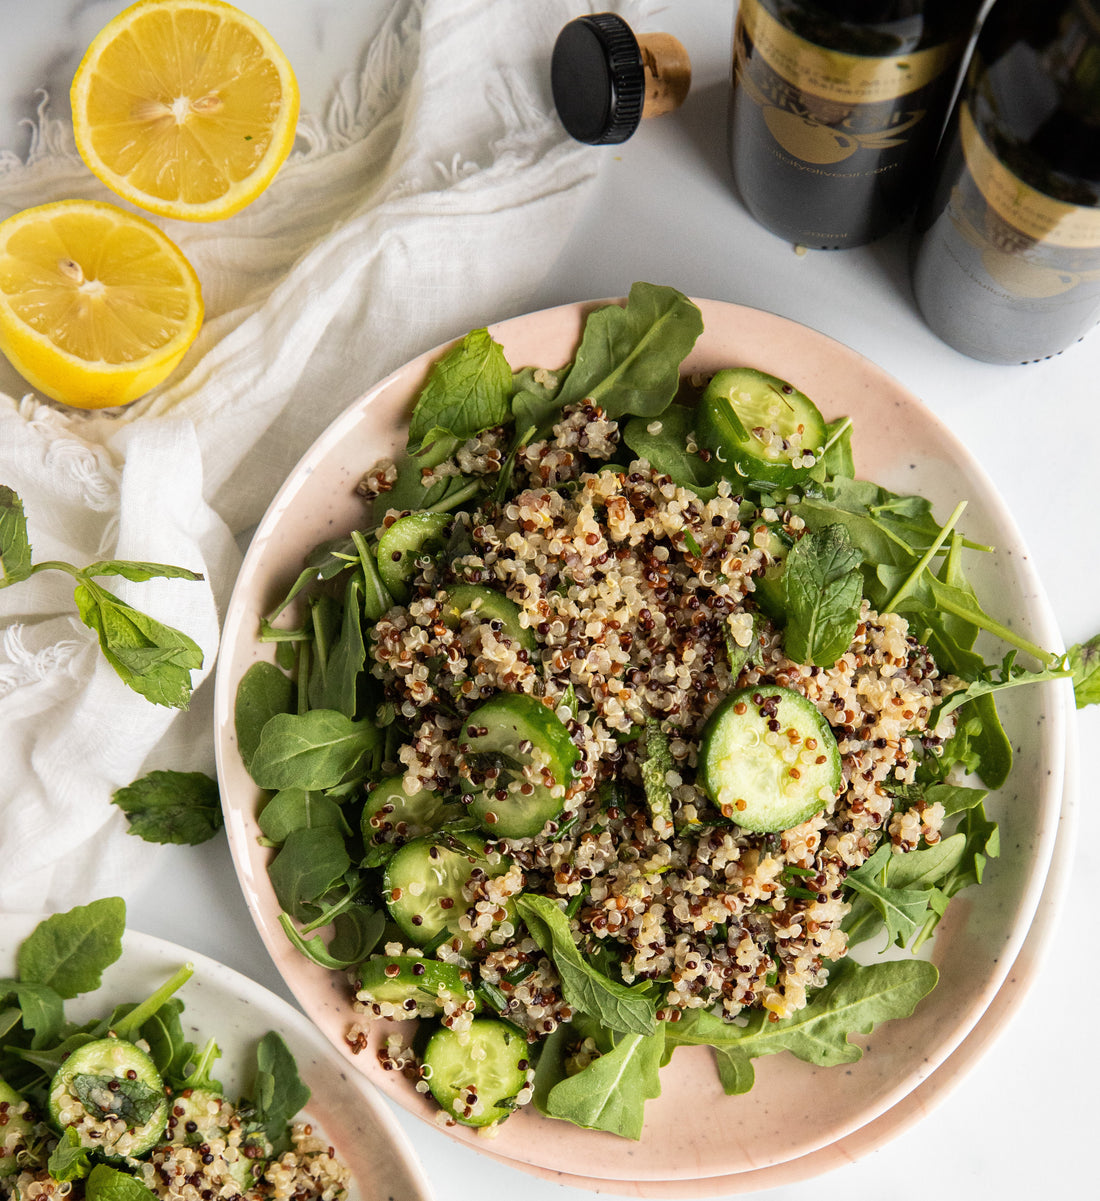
x: 97, y: 305
x: 186, y: 108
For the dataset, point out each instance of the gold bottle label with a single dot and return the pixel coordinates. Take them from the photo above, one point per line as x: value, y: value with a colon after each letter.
x: 1034, y: 214
x: 834, y: 76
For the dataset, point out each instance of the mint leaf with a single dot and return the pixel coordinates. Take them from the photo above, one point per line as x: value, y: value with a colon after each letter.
x: 172, y: 807
x: 1084, y: 662
x: 153, y: 659
x: 110, y: 1184
x: 615, y: 1006
x: 15, y: 548
x: 138, y: 572
x: 468, y: 390
x: 133, y: 1101
x: 655, y: 766
x: 69, y: 951
x: 629, y: 358
x: 70, y: 1159
x: 823, y: 590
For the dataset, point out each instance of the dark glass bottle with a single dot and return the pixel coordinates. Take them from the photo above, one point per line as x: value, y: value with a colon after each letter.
x: 836, y: 110
x: 1006, y: 259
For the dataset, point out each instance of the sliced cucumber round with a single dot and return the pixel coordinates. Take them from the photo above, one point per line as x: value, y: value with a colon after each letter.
x: 401, y: 544
x: 111, y: 1094
x: 487, y: 605
x: 761, y: 429
x: 413, y: 984
x: 15, y: 1128
x: 477, y: 1076
x: 768, y: 759
x: 424, y: 884
x: 390, y: 814
x: 518, y: 758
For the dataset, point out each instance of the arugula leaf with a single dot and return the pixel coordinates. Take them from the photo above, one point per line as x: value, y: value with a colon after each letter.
x: 611, y: 1092
x: 629, y: 358
x: 900, y: 893
x: 172, y: 807
x: 468, y: 390
x: 982, y: 844
x: 1009, y: 677
x: 356, y: 932
x: 41, y: 1009
x: 823, y: 590
x: 855, y: 1000
x: 615, y: 1006
x: 69, y: 951
x: 169, y: 1048
x: 535, y: 404
x: 149, y: 657
x: 15, y: 547
x: 278, y: 1092
x: 1084, y: 662
x: 312, y: 750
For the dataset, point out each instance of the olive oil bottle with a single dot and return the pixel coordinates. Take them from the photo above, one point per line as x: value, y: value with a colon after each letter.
x: 1006, y: 261
x: 836, y: 110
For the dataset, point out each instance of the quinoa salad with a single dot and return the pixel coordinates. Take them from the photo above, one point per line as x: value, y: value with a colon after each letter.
x: 124, y: 1106
x: 625, y: 715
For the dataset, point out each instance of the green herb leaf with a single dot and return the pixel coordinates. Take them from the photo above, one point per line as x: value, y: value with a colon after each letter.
x: 655, y: 766
x: 138, y: 572
x: 663, y: 443
x: 133, y: 1101
x: 313, y: 750
x: 70, y: 1159
x: 629, y: 358
x: 278, y: 1092
x: 613, y: 1005
x: 1084, y: 662
x: 181, y: 807
x: 15, y: 548
x: 823, y: 589
x: 69, y: 951
x: 611, y: 1092
x: 468, y: 391
x: 110, y: 1184
x: 309, y: 864
x: 153, y: 659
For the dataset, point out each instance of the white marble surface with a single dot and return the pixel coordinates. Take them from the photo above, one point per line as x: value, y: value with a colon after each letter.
x: 1022, y: 1124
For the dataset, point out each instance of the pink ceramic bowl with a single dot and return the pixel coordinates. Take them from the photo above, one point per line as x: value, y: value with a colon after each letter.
x: 795, y: 1109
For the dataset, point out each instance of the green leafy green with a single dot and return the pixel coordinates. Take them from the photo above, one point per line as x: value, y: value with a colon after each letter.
x: 655, y: 767
x: 615, y: 1006
x: 312, y: 750
x: 310, y: 862
x: 15, y: 547
x: 111, y: 1184
x: 629, y: 358
x: 1084, y: 662
x: 278, y: 1092
x: 822, y: 587
x: 664, y: 442
x: 70, y: 951
x: 263, y: 691
x: 172, y: 807
x: 70, y: 1159
x: 468, y: 390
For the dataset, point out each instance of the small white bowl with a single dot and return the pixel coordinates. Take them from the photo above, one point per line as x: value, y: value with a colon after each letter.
x: 222, y: 1004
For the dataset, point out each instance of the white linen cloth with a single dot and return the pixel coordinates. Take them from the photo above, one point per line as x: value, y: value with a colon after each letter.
x: 437, y: 190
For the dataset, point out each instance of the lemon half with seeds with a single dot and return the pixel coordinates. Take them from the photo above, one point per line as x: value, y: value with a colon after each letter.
x: 186, y: 108
x: 97, y: 305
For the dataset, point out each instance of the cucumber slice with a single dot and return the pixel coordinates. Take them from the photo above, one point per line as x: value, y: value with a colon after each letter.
x: 760, y: 427
x: 424, y: 882
x: 768, y: 759
x: 477, y: 1076
x: 486, y: 604
x: 518, y: 758
x: 408, y: 539
x: 414, y: 985
x: 15, y: 1128
x: 110, y: 1092
x: 391, y: 815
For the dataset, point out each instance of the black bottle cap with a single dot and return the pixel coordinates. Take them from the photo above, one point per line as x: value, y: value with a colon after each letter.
x: 598, y: 79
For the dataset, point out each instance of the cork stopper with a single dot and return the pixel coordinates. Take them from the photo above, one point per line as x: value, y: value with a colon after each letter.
x: 605, y: 80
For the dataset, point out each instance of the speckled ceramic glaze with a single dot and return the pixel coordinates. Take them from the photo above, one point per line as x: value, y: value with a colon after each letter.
x: 693, y: 1132
x: 222, y: 1004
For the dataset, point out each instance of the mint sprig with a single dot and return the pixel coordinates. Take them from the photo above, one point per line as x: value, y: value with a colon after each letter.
x: 150, y: 657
